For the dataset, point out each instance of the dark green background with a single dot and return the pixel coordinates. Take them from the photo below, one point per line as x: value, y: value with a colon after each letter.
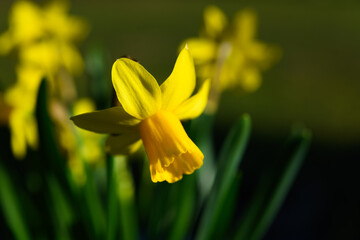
x: 316, y: 83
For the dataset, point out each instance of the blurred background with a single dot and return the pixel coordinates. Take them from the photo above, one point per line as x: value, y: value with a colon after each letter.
x: 316, y: 83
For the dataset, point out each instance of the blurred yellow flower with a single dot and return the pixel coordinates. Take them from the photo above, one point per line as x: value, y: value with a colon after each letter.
x: 151, y: 113
x: 81, y: 146
x: 22, y: 99
x: 43, y: 38
x: 61, y: 25
x: 51, y: 56
x: 89, y: 142
x: 230, y: 54
x: 25, y: 26
x: 29, y: 23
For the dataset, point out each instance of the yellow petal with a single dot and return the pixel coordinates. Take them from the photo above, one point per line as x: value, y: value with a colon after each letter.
x: 187, y: 163
x: 112, y: 120
x: 195, y: 105
x: 215, y: 21
x: 45, y: 55
x: 181, y: 82
x: 137, y: 90
x: 123, y: 144
x: 62, y: 25
x: 245, y: 23
x: 18, y: 138
x: 171, y: 152
x: 202, y: 49
x: 251, y: 79
x: 31, y: 131
x: 26, y: 22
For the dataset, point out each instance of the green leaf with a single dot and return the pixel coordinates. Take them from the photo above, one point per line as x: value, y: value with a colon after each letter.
x: 125, y: 193
x: 54, y: 163
x: 186, y: 208
x: 270, y: 195
x: 229, y: 161
x: 93, y: 204
x: 62, y: 211
x: 11, y: 208
x: 224, y: 219
x: 111, y: 201
x: 201, y: 133
x: 50, y: 154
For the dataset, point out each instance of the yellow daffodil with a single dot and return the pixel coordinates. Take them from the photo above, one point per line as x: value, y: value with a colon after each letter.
x: 61, y: 25
x: 25, y: 26
x: 44, y: 39
x: 151, y: 114
x: 229, y: 54
x: 51, y: 56
x: 22, y: 99
x: 29, y: 23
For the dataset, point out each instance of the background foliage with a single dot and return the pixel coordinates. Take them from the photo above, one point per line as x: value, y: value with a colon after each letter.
x: 316, y: 82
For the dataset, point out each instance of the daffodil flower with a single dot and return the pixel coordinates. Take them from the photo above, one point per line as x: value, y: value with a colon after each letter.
x: 230, y: 54
x: 22, y: 99
x: 25, y: 26
x: 63, y: 26
x: 44, y: 39
x: 51, y: 56
x: 151, y: 114
x: 29, y: 23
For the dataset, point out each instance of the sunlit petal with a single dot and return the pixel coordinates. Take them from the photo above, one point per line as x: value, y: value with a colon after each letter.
x: 137, y: 90
x: 181, y: 82
x: 195, y: 105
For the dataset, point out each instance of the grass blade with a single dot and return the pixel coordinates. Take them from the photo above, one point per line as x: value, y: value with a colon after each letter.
x: 224, y: 218
x: 287, y: 178
x: 111, y: 201
x: 201, y: 133
x: 50, y: 154
x: 125, y: 194
x: 10, y: 206
x: 62, y: 212
x: 186, y: 208
x: 93, y: 204
x: 230, y: 159
x: 271, y: 194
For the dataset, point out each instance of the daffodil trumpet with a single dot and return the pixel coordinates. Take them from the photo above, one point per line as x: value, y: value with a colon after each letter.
x: 151, y: 114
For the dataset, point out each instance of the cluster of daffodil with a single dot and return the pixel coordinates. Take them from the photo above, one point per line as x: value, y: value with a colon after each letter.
x: 229, y: 53
x: 225, y: 56
x: 102, y: 202
x: 43, y: 39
